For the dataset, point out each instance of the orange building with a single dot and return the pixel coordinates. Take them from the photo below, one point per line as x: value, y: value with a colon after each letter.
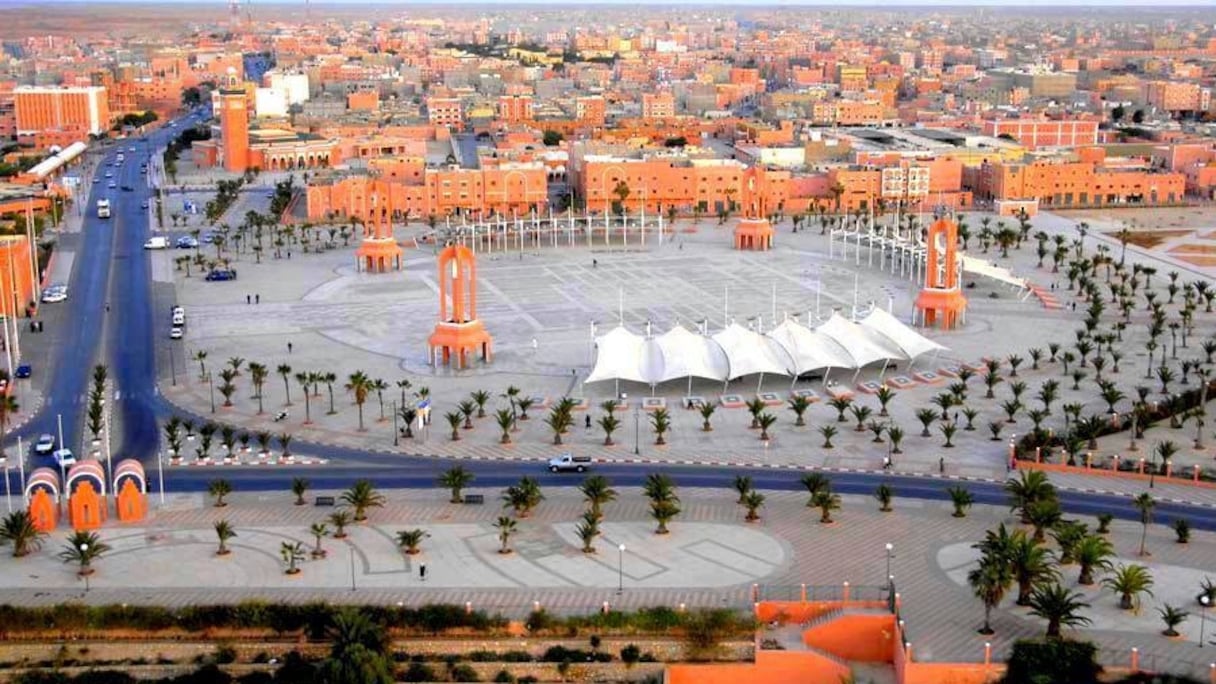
x: 658, y: 106
x: 515, y: 108
x: 1086, y: 182
x: 16, y: 275
x: 658, y: 183
x: 1034, y: 134
x: 40, y: 108
x: 444, y: 111
x: 363, y: 100
x: 590, y: 110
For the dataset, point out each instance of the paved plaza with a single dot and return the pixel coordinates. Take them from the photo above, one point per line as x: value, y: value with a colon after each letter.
x: 541, y: 304
x: 711, y: 557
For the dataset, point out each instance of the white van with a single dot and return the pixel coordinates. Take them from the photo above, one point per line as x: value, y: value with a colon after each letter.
x: 179, y: 316
x: 158, y: 242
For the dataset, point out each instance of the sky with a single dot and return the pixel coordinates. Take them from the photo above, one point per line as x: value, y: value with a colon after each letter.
x: 1012, y: 4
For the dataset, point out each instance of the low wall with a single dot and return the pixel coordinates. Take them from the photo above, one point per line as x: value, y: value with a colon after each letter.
x: 771, y: 667
x: 860, y: 638
x: 1169, y: 477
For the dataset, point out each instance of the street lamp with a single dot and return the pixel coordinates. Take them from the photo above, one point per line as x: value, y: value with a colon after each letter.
x: 890, y: 548
x: 396, y: 437
x: 84, y: 551
x: 1204, y: 601
x: 211, y: 384
x: 620, y: 569
x: 636, y: 417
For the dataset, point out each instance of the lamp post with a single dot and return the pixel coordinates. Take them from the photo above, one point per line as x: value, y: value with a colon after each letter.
x: 636, y: 418
x: 84, y: 550
x: 1152, y: 473
x: 396, y: 437
x: 211, y: 385
x: 1204, y: 601
x: 890, y: 548
x: 620, y: 569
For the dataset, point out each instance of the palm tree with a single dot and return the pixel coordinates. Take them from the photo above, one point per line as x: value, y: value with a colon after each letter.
x: 752, y: 501
x: 18, y: 529
x: 305, y: 380
x: 83, y: 547
x: 1044, y: 515
x: 828, y: 432
x: 359, y: 385
x: 329, y: 378
x: 224, y: 532
x: 884, y: 395
x: 664, y: 502
x: 826, y: 501
x: 467, y: 408
x: 841, y: 404
x: 609, y: 424
x: 961, y: 499
x: 504, y: 420
x: 861, y: 413
x: 1059, y: 607
x: 926, y: 416
x: 558, y: 421
x: 766, y: 421
x: 285, y: 444
x: 742, y: 485
x: 318, y: 532
x: 454, y: 420
x: 362, y: 496
x: 660, y: 421
x: 1092, y: 553
x: 1030, y: 563
x: 292, y: 553
x: 201, y: 357
x: 285, y: 371
x: 799, y: 405
x: 523, y: 497
x: 1129, y: 581
x: 410, y: 539
x: 299, y: 486
x: 219, y: 488
x: 663, y: 512
x: 257, y: 375
x: 455, y: 479
x: 884, y: 493
x: 587, y: 530
x: 989, y: 581
x: 948, y: 431
x: 1031, y: 486
x: 523, y: 404
x: 1172, y: 617
x: 1145, y: 504
x: 480, y: 397
x: 506, y: 527
x: 597, y: 492
x: 340, y: 519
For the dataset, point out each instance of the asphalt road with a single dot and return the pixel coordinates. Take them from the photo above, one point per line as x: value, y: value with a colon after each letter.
x: 111, y: 266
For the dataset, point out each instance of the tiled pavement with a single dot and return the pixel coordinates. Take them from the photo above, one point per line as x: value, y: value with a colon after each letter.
x: 941, y: 614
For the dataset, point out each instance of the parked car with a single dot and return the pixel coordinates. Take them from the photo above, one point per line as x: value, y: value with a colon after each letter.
x: 221, y: 274
x: 176, y: 332
x: 158, y: 242
x: 569, y: 462
x: 127, y: 188
x: 25, y: 370
x: 44, y: 445
x: 52, y: 295
x: 186, y: 242
x: 112, y: 185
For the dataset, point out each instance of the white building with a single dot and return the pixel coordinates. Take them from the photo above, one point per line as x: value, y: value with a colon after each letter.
x: 269, y: 102
x: 294, y: 87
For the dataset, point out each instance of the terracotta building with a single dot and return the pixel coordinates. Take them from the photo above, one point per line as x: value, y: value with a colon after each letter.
x: 39, y: 108
x: 1085, y: 182
x: 1034, y: 134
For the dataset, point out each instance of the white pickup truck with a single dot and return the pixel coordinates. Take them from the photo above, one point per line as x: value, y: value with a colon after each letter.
x: 569, y: 462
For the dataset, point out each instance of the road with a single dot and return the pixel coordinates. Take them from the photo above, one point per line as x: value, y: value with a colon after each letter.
x: 111, y: 266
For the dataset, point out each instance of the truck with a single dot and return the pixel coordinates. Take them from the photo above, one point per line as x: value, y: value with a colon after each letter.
x: 568, y: 461
x: 103, y: 208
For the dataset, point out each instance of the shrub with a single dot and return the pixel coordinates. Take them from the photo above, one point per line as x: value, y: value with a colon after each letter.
x: 419, y: 672
x: 1052, y: 660
x: 557, y: 654
x: 225, y: 654
x: 630, y: 655
x: 464, y: 673
x: 505, y: 677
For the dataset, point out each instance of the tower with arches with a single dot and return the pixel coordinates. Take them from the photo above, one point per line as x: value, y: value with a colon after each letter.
x: 458, y: 333
x: 379, y: 251
x: 941, y: 301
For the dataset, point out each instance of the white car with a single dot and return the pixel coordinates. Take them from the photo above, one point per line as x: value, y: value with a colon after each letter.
x: 113, y: 185
x: 175, y: 333
x: 44, y: 445
x: 65, y: 458
x: 53, y: 296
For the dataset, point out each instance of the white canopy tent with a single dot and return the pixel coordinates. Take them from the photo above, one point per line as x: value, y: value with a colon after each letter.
x: 907, y: 340
x: 684, y: 354
x: 809, y: 350
x: 863, y: 347
x: 621, y: 355
x: 751, y: 353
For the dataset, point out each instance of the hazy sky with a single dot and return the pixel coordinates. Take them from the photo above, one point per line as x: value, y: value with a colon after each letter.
x: 1011, y: 4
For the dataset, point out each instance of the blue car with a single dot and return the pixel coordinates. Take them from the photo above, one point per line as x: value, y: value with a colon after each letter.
x: 221, y: 274
x: 24, y: 370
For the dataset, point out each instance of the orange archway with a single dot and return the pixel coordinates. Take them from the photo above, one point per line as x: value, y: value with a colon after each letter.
x: 86, y: 507
x: 379, y: 251
x: 44, y: 512
x: 132, y: 504
x: 754, y: 234
x: 941, y: 301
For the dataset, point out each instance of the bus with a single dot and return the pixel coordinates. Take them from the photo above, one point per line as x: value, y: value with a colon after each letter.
x: 103, y: 208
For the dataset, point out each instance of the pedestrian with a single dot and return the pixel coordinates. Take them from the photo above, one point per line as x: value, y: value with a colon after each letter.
x: 422, y: 571
x: 288, y: 347
x: 258, y: 298
x: 587, y: 421
x: 941, y: 465
x: 248, y: 299
x: 886, y: 462
x: 595, y: 263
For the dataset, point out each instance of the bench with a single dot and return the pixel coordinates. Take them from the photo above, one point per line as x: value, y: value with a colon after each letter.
x: 475, y: 498
x: 324, y: 501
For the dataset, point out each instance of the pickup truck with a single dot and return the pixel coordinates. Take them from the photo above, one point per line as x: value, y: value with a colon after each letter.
x: 569, y: 462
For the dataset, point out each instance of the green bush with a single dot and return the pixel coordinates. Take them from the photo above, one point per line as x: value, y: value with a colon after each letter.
x: 631, y: 654
x: 225, y: 654
x: 418, y: 672
x: 1052, y: 660
x: 464, y: 673
x: 558, y: 654
x: 504, y: 677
